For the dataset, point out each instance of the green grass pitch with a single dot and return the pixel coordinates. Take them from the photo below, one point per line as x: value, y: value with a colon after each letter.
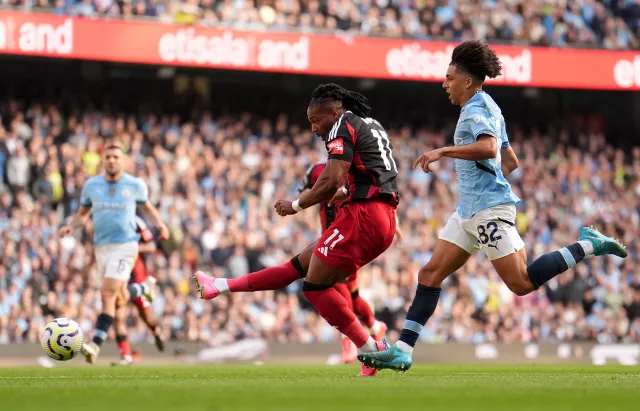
x: 302, y: 388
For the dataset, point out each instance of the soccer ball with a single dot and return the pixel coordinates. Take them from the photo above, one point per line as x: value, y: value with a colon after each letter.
x: 62, y: 339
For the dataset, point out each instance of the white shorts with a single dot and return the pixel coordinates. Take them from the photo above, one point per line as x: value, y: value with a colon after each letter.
x: 492, y: 229
x: 116, y: 260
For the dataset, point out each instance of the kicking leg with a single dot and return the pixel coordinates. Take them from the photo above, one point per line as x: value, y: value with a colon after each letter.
x: 272, y: 278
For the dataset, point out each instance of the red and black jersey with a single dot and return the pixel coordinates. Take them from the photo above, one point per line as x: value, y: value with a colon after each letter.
x: 365, y: 143
x: 327, y: 214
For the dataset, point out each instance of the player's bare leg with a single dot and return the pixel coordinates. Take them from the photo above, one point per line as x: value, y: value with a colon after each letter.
x: 121, y: 332
x: 523, y: 279
x: 272, y: 278
x: 334, y: 308
x: 447, y: 258
x: 111, y: 288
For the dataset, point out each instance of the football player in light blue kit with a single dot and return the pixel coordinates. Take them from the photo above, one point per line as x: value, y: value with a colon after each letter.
x: 111, y: 199
x: 485, y: 215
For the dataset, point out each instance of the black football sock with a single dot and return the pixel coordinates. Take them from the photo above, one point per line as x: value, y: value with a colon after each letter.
x: 557, y: 262
x: 422, y: 308
x: 103, y: 323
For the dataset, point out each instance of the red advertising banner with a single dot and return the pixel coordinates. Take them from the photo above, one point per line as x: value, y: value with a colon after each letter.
x: 162, y: 44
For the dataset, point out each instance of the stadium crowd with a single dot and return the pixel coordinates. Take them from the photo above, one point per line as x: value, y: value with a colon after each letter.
x: 215, y: 181
x: 612, y: 24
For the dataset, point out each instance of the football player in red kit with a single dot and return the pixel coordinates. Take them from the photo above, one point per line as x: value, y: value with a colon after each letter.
x: 139, y: 275
x: 349, y: 287
x: 360, y: 151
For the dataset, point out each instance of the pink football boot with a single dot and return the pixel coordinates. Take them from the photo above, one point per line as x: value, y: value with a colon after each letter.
x: 368, y: 371
x: 204, y: 286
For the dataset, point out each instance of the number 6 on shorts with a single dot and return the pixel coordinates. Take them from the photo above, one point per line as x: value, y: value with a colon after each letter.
x: 122, y: 266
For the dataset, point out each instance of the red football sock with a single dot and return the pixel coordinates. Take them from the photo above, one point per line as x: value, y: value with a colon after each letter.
x: 272, y: 278
x: 343, y: 289
x: 363, y: 310
x: 334, y: 308
x: 123, y: 345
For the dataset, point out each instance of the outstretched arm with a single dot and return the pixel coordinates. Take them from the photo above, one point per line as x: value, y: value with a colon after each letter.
x: 483, y: 149
x: 157, y: 220
x: 79, y: 219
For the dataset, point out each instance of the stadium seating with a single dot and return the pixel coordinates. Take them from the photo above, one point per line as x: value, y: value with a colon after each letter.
x: 217, y: 199
x: 611, y: 24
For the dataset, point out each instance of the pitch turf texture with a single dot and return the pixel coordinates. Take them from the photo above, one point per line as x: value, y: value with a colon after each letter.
x: 301, y: 388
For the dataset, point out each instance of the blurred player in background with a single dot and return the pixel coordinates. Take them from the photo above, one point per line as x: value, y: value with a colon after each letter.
x: 485, y: 215
x: 139, y: 275
x: 111, y: 198
x: 359, y: 149
x: 349, y: 287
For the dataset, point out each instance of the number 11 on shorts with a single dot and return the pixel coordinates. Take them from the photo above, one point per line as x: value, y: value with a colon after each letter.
x: 332, y: 236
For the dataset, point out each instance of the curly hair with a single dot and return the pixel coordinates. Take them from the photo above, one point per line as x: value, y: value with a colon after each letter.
x: 352, y: 101
x: 477, y: 59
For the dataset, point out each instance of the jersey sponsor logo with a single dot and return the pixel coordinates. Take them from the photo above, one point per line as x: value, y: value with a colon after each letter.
x: 106, y: 204
x: 324, y: 251
x: 336, y: 147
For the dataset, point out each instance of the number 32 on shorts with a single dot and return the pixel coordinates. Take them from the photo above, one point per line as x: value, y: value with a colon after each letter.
x: 488, y: 232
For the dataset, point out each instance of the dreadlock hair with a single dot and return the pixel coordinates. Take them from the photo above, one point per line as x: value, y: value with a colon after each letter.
x: 350, y: 100
x: 477, y: 59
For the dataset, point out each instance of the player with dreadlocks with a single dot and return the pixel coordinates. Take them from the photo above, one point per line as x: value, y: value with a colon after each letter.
x: 485, y: 215
x: 360, y: 153
x: 348, y: 288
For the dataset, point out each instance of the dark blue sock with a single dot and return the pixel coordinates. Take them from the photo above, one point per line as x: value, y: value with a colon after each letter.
x: 103, y: 323
x: 551, y: 264
x: 422, y: 308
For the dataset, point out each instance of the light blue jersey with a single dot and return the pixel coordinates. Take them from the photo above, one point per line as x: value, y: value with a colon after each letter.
x: 480, y: 183
x: 113, y: 207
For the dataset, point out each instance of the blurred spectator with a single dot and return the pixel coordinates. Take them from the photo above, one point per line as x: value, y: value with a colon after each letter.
x: 610, y: 24
x: 214, y: 180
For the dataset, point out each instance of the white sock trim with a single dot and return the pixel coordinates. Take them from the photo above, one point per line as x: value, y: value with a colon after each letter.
x: 587, y: 247
x: 375, y: 329
x: 404, y: 347
x: 222, y: 285
x: 369, y: 346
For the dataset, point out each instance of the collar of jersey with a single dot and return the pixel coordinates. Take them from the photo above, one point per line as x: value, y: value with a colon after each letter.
x: 472, y: 97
